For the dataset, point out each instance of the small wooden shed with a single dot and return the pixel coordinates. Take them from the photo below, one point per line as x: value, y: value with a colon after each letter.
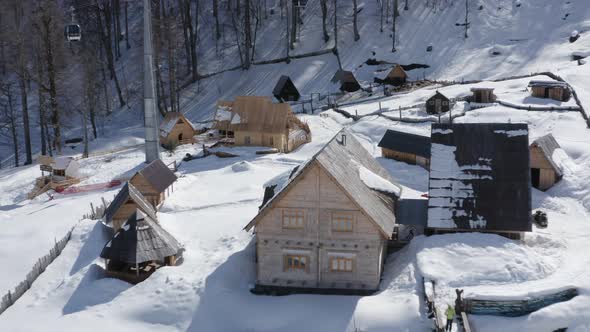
x: 483, y: 95
x: 438, y: 104
x: 285, y: 90
x: 176, y: 129
x: 347, y: 81
x: 257, y: 121
x: 550, y: 89
x: 545, y: 172
x: 396, y: 76
x: 64, y: 168
x: 127, y: 201
x: 139, y: 248
x: 409, y: 148
x: 154, y: 182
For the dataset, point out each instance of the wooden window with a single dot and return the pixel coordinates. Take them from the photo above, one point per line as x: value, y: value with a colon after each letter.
x: 341, y: 264
x: 431, y: 102
x: 342, y: 221
x: 247, y: 140
x: 293, y: 219
x: 445, y: 102
x: 59, y: 172
x: 296, y: 262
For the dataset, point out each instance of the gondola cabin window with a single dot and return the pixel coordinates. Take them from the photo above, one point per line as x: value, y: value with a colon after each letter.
x: 296, y: 262
x: 342, y: 221
x: 341, y: 264
x: 293, y: 219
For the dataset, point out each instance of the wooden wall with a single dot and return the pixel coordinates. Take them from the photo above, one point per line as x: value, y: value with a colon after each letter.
x: 483, y: 96
x: 187, y: 134
x: 146, y: 189
x: 406, y: 157
x: 279, y: 141
x: 318, y: 196
x: 548, y: 176
x: 124, y: 212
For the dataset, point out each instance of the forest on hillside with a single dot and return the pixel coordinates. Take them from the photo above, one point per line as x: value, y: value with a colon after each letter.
x: 49, y: 83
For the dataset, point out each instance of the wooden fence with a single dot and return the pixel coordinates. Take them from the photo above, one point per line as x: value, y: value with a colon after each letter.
x: 10, y: 298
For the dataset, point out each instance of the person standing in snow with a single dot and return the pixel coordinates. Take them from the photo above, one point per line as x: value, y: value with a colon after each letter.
x: 450, y: 313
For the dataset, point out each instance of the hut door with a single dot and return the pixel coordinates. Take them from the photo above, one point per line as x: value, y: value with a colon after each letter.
x: 546, y: 93
x: 180, y: 137
x: 535, y: 176
x: 437, y: 106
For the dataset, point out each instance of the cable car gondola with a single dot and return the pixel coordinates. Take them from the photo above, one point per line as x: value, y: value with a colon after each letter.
x: 73, y: 32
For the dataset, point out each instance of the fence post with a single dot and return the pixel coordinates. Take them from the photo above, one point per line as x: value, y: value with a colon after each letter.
x: 400, y: 113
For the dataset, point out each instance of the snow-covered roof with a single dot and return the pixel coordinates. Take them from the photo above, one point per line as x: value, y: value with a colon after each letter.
x: 170, y: 120
x: 61, y: 162
x: 548, y: 146
x: 538, y: 83
x: 367, y: 183
x: 480, y: 177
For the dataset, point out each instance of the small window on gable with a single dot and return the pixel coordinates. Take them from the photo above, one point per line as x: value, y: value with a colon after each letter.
x: 445, y: 102
x: 296, y: 262
x: 293, y: 218
x: 341, y: 264
x: 342, y: 221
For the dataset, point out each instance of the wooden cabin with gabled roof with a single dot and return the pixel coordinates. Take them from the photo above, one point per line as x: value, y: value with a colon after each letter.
x: 257, y: 121
x: 346, y: 80
x: 555, y: 90
x: 285, y: 90
x: 125, y: 203
x: 438, y: 104
x: 323, y: 226
x: 480, y: 179
x: 138, y: 248
x: 545, y: 170
x: 395, y: 76
x: 154, y: 182
x: 482, y: 95
x: 176, y: 129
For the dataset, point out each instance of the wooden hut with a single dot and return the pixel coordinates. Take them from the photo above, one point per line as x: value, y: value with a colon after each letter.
x: 409, y: 148
x: 396, y: 76
x: 346, y: 80
x: 545, y: 171
x: 139, y: 248
x: 550, y: 89
x: 483, y: 95
x: 323, y: 226
x: 127, y: 201
x: 480, y: 179
x: 285, y: 90
x: 257, y: 121
x: 438, y: 104
x: 64, y: 168
x: 176, y: 129
x: 154, y: 182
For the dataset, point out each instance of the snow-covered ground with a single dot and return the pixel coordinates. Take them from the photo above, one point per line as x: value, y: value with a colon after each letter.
x: 215, y: 198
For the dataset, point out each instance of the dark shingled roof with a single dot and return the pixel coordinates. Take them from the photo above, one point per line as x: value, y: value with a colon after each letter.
x: 342, y: 162
x: 285, y: 88
x: 141, y: 239
x: 480, y: 177
x: 406, y: 143
x: 158, y: 175
x: 548, y: 145
x: 128, y: 191
x: 438, y: 95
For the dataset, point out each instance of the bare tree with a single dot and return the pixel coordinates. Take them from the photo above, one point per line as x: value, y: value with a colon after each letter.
x: 354, y: 21
x: 9, y: 118
x: 324, y: 5
x: 466, y: 17
x: 336, y: 33
x: 394, y: 18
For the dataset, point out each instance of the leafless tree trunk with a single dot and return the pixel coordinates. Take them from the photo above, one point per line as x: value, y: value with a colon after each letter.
x: 466, y: 18
x: 106, y: 38
x: 293, y: 24
x: 336, y: 34
x: 41, y: 101
x: 126, y: 27
x: 354, y: 21
x: 324, y: 5
x: 381, y: 14
x: 10, y: 118
x: 394, y: 18
x: 216, y: 16
x: 247, y: 34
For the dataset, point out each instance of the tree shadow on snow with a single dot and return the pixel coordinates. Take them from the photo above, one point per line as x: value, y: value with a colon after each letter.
x: 226, y: 304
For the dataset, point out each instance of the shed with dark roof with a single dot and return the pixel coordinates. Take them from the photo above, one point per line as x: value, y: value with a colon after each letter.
x: 545, y: 171
x: 154, y: 181
x: 138, y: 248
x: 410, y: 148
x: 285, y: 90
x: 127, y: 201
x: 347, y: 81
x: 395, y: 76
x: 480, y: 178
x: 331, y: 215
x: 550, y: 89
x: 438, y: 104
x: 483, y: 95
